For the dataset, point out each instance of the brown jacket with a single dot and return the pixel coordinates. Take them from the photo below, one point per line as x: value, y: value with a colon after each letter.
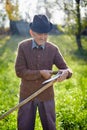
x: 28, y: 63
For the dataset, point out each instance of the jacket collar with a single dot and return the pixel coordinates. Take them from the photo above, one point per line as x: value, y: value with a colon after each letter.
x: 34, y: 45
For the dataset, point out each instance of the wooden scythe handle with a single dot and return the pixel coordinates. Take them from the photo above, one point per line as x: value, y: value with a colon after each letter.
x: 27, y: 99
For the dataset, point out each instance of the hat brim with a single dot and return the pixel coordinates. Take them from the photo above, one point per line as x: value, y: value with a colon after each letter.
x: 39, y: 30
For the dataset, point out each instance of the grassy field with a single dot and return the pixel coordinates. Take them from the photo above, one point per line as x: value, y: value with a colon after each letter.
x: 70, y: 95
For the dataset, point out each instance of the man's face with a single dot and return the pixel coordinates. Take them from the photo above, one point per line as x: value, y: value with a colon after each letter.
x: 40, y: 38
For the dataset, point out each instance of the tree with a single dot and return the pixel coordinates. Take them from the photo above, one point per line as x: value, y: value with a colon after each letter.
x: 13, y: 14
x: 84, y: 20
x: 72, y: 9
x: 78, y: 20
x: 2, y: 16
x: 46, y: 7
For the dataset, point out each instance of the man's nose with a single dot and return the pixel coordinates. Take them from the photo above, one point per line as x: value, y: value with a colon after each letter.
x: 43, y: 35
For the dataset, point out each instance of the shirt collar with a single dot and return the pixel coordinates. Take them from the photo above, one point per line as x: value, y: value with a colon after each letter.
x: 34, y: 45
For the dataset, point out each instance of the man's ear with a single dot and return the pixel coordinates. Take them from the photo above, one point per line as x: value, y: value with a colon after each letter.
x: 31, y: 32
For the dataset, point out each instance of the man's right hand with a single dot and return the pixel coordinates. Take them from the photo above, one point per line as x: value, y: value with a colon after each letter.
x: 46, y: 74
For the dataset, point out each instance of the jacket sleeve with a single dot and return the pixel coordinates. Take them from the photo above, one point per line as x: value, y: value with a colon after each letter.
x: 21, y: 67
x: 61, y: 63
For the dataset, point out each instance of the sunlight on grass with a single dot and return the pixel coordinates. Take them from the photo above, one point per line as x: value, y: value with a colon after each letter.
x: 3, y: 40
x: 70, y: 95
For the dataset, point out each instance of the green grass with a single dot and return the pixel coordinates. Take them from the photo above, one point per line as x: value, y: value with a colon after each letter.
x: 70, y: 95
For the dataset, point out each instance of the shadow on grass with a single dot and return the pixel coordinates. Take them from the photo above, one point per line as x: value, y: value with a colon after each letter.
x: 9, y: 44
x: 8, y: 49
x: 81, y: 54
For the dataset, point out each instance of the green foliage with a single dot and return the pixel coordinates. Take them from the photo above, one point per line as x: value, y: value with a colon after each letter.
x: 75, y: 18
x: 70, y: 95
x: 84, y: 23
x: 9, y: 84
x: 12, y: 10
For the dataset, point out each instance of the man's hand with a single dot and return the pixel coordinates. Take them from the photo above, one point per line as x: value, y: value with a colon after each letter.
x: 46, y: 74
x: 63, y: 75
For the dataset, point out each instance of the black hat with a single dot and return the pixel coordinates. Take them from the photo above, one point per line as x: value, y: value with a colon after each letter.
x: 41, y: 24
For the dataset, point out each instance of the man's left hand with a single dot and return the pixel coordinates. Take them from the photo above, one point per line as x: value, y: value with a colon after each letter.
x: 63, y: 75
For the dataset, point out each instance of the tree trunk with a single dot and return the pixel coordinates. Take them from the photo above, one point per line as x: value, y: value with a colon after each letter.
x: 78, y: 34
x: 13, y: 27
x: 78, y: 41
